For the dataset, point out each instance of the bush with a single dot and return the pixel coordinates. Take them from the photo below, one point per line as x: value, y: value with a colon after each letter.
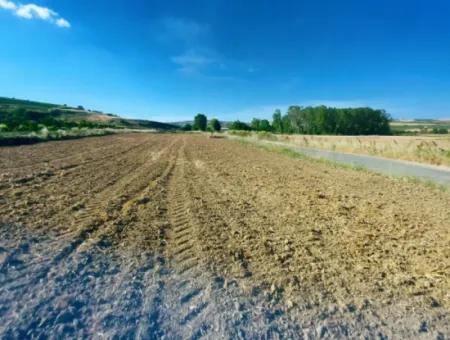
x: 215, y: 125
x: 187, y: 127
x: 239, y: 126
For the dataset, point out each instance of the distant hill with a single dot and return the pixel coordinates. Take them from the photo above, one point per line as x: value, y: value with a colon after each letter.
x: 420, y: 126
x: 39, y: 112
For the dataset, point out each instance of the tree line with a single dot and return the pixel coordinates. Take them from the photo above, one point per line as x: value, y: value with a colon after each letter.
x: 322, y: 120
x: 201, y: 123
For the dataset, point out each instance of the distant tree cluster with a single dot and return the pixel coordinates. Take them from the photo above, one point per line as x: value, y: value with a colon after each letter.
x: 201, y: 124
x: 261, y: 125
x: 440, y: 130
x: 322, y: 120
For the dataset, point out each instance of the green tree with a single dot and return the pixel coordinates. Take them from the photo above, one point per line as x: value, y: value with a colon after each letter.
x: 286, y: 125
x: 264, y: 125
x: 200, y: 122
x: 238, y: 125
x: 294, y: 114
x: 277, y: 122
x: 187, y: 127
x: 255, y: 124
x: 215, y: 125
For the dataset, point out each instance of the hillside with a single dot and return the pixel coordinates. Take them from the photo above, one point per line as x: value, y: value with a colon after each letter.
x: 420, y: 126
x: 25, y: 115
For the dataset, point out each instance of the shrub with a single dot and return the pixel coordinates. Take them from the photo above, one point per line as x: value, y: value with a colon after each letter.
x: 215, y: 125
x: 240, y: 126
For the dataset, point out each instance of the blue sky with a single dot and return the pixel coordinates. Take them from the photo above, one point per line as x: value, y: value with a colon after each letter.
x: 233, y: 59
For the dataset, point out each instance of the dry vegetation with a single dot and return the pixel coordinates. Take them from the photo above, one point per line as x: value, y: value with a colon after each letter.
x: 433, y: 150
x: 186, y: 236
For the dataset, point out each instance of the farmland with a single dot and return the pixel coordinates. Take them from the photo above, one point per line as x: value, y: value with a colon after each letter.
x: 151, y: 235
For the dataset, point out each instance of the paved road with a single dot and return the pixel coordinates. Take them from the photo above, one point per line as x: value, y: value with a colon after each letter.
x: 377, y: 164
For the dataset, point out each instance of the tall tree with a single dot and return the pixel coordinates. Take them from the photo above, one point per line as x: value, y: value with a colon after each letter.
x: 277, y: 122
x: 200, y: 122
x: 294, y: 114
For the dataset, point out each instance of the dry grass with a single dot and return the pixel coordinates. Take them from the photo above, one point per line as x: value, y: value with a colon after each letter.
x: 433, y: 150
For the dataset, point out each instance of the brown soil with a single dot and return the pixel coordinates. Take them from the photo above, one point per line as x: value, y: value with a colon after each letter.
x: 184, y: 236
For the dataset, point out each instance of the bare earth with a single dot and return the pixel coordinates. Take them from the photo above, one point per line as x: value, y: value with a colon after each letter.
x: 182, y: 236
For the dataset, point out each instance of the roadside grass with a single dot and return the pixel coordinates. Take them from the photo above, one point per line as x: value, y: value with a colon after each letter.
x: 286, y: 151
x: 430, y: 149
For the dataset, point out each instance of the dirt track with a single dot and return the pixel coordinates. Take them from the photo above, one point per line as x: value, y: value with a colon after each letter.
x: 185, y: 236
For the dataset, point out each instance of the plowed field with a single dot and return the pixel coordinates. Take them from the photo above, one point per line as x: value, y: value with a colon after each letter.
x: 184, y: 236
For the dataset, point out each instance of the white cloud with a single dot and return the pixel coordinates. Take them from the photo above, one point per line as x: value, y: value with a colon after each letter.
x: 6, y: 4
x: 33, y: 11
x: 61, y: 22
x: 193, y: 60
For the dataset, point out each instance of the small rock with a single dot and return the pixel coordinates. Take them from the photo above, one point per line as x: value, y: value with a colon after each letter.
x: 440, y: 336
x: 351, y: 307
x: 423, y: 327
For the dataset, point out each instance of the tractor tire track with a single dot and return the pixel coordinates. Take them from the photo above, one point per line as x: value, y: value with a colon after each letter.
x: 99, y: 233
x: 183, y: 304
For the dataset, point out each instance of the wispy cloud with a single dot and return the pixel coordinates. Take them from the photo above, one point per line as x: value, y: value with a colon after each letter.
x: 193, y: 61
x: 33, y: 11
x: 195, y: 54
x: 185, y: 31
x: 193, y: 40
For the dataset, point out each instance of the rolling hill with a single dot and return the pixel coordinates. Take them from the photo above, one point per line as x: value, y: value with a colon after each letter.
x: 32, y: 112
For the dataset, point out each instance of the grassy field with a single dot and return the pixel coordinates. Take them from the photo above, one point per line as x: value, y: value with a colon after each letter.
x: 430, y: 149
